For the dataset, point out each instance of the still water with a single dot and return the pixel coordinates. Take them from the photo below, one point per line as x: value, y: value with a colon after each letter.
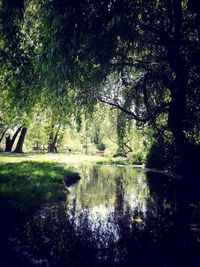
x: 116, y: 216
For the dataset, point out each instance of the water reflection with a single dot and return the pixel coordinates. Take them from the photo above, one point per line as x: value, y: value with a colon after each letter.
x: 116, y: 216
x: 108, y: 195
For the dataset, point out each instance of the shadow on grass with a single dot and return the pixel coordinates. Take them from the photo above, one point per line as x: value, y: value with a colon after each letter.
x: 12, y: 155
x: 25, y: 186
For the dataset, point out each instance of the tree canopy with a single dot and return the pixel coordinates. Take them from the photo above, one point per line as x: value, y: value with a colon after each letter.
x: 141, y: 57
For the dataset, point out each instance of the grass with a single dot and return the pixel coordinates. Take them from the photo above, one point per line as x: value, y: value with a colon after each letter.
x: 60, y: 158
x: 25, y: 186
x: 70, y: 159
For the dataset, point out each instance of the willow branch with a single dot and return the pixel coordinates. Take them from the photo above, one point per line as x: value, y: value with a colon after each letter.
x: 159, y: 110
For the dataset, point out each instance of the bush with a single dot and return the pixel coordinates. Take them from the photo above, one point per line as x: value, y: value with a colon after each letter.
x: 163, y: 156
x: 137, y: 158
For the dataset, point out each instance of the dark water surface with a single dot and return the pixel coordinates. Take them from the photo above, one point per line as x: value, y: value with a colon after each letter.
x: 115, y: 216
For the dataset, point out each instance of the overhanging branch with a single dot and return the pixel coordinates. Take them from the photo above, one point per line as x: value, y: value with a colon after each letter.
x: 159, y: 110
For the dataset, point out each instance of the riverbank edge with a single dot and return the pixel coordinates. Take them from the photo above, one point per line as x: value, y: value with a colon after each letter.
x: 124, y: 163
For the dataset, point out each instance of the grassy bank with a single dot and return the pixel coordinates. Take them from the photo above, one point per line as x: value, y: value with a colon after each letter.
x: 25, y: 186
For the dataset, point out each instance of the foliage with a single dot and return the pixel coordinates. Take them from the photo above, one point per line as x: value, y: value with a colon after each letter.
x: 135, y: 159
x: 18, y: 75
x: 140, y: 57
x: 163, y: 156
x: 128, y: 41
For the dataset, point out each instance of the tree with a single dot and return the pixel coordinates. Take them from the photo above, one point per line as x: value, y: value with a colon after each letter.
x: 18, y: 75
x: 152, y: 47
x: 141, y: 57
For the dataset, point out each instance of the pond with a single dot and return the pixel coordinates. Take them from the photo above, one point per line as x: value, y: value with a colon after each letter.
x: 115, y: 216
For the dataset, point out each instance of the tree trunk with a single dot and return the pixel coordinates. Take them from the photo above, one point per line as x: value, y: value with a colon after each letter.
x: 55, y: 140
x: 176, y: 121
x: 52, y: 148
x: 52, y: 143
x: 10, y: 142
x: 177, y: 111
x: 19, y: 147
x: 3, y: 134
x: 189, y: 154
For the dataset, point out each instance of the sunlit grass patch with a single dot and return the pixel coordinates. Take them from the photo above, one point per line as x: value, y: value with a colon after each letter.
x: 60, y: 157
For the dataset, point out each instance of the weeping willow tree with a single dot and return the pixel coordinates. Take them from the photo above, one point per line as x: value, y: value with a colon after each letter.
x: 149, y: 48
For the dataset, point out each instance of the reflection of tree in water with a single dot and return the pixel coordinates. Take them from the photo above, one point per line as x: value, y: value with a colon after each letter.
x: 161, y: 236
x: 170, y: 218
x: 98, y: 187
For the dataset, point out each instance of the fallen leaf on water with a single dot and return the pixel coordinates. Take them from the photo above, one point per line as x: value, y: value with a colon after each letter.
x: 137, y: 219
